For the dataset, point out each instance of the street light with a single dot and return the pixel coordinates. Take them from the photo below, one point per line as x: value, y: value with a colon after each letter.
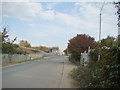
x: 100, y: 27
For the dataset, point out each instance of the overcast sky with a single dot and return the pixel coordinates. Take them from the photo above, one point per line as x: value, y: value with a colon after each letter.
x: 54, y: 23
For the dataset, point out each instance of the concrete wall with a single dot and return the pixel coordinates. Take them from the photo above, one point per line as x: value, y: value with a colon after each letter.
x: 85, y: 57
x: 6, y: 58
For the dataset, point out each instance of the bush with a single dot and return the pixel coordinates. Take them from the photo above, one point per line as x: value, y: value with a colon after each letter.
x: 82, y: 75
x: 74, y: 58
x: 102, y: 74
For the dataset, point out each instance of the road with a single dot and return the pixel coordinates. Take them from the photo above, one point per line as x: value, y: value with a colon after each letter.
x: 51, y: 72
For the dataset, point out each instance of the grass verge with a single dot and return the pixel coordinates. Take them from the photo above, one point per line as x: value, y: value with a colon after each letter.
x: 39, y: 58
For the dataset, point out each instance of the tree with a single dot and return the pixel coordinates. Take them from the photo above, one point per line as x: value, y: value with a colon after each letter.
x: 108, y: 42
x: 7, y: 45
x: 79, y: 44
x: 5, y: 35
x: 107, y: 49
x: 24, y: 43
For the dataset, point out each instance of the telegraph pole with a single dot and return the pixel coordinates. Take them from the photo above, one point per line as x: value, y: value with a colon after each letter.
x: 100, y: 28
x: 100, y: 21
x: 117, y: 5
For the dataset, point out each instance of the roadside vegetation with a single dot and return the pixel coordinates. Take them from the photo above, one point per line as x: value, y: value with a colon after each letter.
x: 103, y: 69
x: 103, y: 73
x: 7, y: 45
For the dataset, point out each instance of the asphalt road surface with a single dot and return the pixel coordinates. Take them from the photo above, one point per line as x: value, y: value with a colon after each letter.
x: 51, y: 72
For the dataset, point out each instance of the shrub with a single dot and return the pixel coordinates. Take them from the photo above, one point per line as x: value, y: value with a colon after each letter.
x: 103, y: 73
x: 82, y: 75
x: 74, y: 58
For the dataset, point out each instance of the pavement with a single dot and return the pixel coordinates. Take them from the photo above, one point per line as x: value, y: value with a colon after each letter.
x: 67, y: 81
x: 52, y: 72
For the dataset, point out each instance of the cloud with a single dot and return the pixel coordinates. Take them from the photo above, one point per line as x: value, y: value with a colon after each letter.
x: 83, y: 18
x: 32, y: 25
x: 24, y: 10
x: 28, y: 11
x: 91, y: 14
x: 57, y: 0
x: 68, y: 20
x: 51, y: 5
x: 14, y: 0
x: 49, y: 14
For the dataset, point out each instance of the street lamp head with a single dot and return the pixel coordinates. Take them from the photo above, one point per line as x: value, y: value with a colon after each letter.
x: 102, y: 7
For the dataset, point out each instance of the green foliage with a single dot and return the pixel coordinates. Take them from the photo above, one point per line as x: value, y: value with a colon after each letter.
x: 74, y: 58
x: 94, y: 55
x: 5, y: 35
x: 106, y: 49
x: 103, y: 73
x: 118, y: 40
x: 108, y: 42
x: 82, y: 76
x: 7, y: 46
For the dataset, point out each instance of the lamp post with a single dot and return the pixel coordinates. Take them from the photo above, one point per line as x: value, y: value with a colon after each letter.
x: 100, y: 28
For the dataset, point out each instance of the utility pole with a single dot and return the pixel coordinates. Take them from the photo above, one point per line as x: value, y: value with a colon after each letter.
x: 100, y: 28
x: 100, y: 21
x: 117, y: 5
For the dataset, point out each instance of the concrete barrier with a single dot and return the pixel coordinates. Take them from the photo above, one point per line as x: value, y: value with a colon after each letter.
x: 7, y: 58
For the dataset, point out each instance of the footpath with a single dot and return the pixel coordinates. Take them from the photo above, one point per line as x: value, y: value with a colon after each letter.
x: 67, y: 81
